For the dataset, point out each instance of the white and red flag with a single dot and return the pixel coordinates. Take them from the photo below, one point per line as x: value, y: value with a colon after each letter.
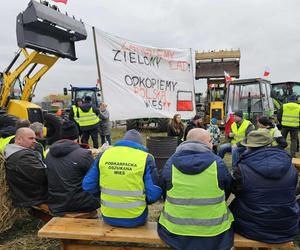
x: 267, y: 72
x: 227, y: 78
x: 60, y: 1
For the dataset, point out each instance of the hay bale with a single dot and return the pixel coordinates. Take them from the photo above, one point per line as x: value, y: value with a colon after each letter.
x: 8, y: 214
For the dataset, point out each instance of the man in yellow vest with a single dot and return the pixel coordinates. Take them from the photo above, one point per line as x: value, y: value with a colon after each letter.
x: 265, y: 124
x: 289, y: 118
x: 6, y: 136
x: 127, y: 179
x: 74, y: 113
x: 196, y: 183
x: 88, y: 121
x: 239, y: 131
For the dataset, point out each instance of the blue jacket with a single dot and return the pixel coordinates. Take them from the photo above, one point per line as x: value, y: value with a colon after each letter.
x: 193, y: 157
x: 265, y: 208
x: 151, y: 182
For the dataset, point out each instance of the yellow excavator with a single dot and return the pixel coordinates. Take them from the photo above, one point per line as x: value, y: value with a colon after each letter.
x: 44, y: 35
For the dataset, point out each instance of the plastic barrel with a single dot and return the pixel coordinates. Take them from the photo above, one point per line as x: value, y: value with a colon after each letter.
x: 161, y: 147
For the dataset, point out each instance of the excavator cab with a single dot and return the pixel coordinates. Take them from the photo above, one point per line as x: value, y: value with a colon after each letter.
x: 44, y: 35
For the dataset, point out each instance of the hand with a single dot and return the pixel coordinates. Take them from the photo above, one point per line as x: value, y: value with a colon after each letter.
x: 234, y: 145
x: 231, y: 135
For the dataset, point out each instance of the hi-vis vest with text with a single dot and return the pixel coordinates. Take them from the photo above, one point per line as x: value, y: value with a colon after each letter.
x: 75, y: 108
x: 271, y: 132
x: 121, y: 182
x: 5, y: 141
x: 195, y: 205
x: 239, y: 133
x: 87, y: 118
x: 290, y: 114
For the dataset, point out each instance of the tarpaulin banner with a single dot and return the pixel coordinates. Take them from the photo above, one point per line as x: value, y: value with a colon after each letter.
x: 140, y: 81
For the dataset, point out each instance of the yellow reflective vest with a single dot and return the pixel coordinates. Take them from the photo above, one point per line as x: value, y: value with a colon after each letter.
x: 290, y: 114
x: 75, y: 108
x: 271, y: 132
x: 121, y: 182
x: 195, y: 205
x: 239, y: 133
x: 5, y: 141
x: 87, y: 118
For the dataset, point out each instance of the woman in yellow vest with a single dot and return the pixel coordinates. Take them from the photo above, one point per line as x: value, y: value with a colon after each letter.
x: 196, y: 184
x: 239, y: 131
x: 264, y: 123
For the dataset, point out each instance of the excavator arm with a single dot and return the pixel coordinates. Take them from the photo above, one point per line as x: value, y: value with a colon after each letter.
x: 31, y: 59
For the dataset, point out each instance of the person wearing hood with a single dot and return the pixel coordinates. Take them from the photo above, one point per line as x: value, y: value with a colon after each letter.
x: 264, y: 123
x: 196, y: 183
x: 67, y: 164
x: 25, y: 171
x: 88, y: 120
x: 265, y: 207
x: 126, y: 177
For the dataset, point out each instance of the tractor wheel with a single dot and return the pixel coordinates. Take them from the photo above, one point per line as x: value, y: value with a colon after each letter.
x: 162, y: 124
x: 53, y: 125
x: 131, y: 124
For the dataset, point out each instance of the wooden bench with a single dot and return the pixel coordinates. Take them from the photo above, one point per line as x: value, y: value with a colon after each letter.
x: 296, y: 162
x: 83, y: 234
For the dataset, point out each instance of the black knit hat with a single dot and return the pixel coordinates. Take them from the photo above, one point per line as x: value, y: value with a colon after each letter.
x: 263, y: 120
x: 239, y: 113
x: 69, y: 130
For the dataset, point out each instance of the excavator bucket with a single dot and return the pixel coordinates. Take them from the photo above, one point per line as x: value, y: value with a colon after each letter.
x: 43, y: 28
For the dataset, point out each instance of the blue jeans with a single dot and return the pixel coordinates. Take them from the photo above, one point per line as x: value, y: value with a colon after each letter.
x: 235, y: 152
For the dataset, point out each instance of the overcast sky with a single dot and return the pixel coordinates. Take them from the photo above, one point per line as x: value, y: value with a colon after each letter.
x: 266, y: 31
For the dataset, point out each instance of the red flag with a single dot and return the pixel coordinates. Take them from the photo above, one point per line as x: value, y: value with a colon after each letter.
x: 60, y: 1
x: 227, y: 78
x: 266, y: 72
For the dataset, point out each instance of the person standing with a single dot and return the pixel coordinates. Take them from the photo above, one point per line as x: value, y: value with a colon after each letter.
x: 239, y: 131
x: 74, y: 113
x: 289, y: 118
x: 264, y: 184
x: 89, y: 121
x: 176, y: 128
x: 195, y: 185
x: 105, y: 124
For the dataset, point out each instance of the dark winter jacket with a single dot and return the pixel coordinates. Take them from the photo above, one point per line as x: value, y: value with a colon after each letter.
x: 26, y: 176
x: 151, y: 183
x: 173, y: 132
x: 190, y: 125
x: 85, y: 107
x: 193, y: 157
x: 265, y: 207
x: 67, y: 164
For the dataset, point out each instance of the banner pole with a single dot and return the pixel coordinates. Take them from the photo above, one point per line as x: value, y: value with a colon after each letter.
x: 97, y: 63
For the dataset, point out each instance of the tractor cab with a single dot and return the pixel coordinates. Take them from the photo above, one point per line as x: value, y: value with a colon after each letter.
x: 82, y: 92
x: 252, y: 96
x: 282, y: 90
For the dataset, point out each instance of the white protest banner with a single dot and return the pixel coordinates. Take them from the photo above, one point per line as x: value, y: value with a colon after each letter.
x: 141, y: 81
